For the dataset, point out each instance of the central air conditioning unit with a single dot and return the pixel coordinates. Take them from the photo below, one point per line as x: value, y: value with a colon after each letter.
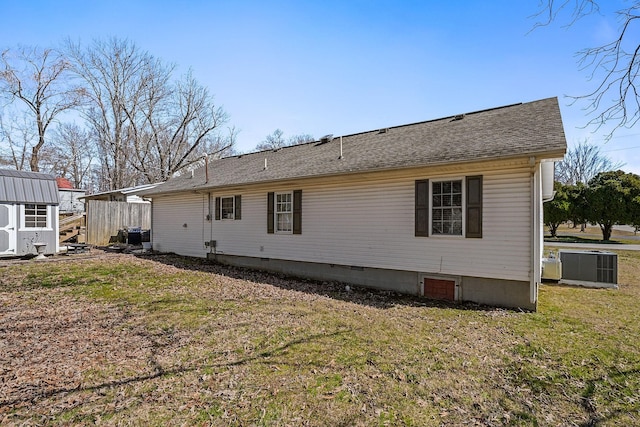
x: 590, y: 266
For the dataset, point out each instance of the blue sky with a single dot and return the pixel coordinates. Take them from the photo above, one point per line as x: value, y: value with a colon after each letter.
x: 342, y: 67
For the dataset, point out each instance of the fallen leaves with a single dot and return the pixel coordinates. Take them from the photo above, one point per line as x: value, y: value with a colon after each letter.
x: 117, y: 339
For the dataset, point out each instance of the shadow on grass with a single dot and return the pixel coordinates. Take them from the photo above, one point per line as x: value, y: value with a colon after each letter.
x: 158, y: 371
x: 579, y: 239
x: 337, y: 290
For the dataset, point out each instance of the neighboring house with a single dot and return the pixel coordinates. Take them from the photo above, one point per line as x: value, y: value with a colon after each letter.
x: 449, y: 208
x: 28, y: 212
x: 70, y: 202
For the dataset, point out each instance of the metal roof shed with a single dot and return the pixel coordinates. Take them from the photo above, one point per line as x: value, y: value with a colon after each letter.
x: 28, y: 212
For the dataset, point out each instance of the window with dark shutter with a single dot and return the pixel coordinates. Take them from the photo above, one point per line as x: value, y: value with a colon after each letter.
x: 227, y: 208
x: 238, y: 207
x: 284, y: 212
x: 218, y: 203
x: 422, y: 208
x: 446, y: 208
x: 474, y: 207
x: 270, y: 215
x: 297, y: 212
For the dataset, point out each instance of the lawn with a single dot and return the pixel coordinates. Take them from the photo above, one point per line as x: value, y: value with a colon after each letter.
x: 591, y: 234
x: 164, y: 340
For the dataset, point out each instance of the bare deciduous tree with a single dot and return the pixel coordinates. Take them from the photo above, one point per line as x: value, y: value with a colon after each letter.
x: 114, y: 73
x: 272, y: 141
x: 16, y: 136
x: 583, y: 162
x: 302, y: 138
x: 276, y: 140
x: 39, y: 79
x: 175, y: 127
x: 614, y: 66
x: 71, y: 155
x: 147, y: 124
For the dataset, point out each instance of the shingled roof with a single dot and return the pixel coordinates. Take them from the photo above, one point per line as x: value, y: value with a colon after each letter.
x: 525, y: 129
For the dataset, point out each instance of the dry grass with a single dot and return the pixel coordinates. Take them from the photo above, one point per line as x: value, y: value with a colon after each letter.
x: 164, y: 340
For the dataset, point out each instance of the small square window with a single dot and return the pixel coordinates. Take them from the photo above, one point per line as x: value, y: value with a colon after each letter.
x: 35, y: 216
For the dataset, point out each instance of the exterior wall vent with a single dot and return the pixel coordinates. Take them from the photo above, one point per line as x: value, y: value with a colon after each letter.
x: 440, y: 287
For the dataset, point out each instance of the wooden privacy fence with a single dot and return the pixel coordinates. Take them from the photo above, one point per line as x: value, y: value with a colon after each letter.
x: 104, y: 219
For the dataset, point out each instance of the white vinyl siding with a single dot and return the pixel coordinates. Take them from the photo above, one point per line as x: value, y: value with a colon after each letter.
x: 368, y: 223
x: 178, y: 224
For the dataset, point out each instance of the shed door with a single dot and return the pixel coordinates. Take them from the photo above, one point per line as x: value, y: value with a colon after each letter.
x: 7, y: 229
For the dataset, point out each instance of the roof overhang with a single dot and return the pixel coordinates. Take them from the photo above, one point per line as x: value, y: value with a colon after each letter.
x: 523, y: 160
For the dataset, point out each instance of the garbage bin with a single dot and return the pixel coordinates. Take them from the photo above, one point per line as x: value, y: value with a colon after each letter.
x: 134, y: 236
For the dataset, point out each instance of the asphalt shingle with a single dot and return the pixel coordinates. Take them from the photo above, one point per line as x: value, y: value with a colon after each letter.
x: 531, y: 128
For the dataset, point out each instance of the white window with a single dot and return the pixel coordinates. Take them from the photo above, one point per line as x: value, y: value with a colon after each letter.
x: 35, y: 216
x: 284, y: 212
x: 227, y: 208
x: 446, y: 208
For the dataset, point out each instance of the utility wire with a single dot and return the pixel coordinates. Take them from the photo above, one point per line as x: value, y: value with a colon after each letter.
x: 621, y: 149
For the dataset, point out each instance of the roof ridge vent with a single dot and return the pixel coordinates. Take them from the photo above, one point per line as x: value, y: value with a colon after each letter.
x: 327, y: 138
x: 383, y: 130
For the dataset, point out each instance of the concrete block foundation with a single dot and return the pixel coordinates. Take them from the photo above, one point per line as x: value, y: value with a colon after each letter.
x: 494, y: 292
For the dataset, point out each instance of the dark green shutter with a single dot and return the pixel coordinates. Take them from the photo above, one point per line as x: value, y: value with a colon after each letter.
x: 297, y: 212
x: 218, y: 208
x: 270, y: 202
x: 422, y: 208
x: 237, y: 207
x: 474, y: 207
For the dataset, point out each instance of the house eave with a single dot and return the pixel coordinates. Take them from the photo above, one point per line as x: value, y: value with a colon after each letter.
x: 487, y: 163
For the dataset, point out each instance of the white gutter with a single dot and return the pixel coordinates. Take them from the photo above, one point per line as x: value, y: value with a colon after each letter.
x: 547, y: 170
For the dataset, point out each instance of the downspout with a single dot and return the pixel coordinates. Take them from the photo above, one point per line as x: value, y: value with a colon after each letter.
x: 210, y: 219
x: 150, y: 225
x: 206, y: 170
x: 536, y: 237
x: 209, y: 210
